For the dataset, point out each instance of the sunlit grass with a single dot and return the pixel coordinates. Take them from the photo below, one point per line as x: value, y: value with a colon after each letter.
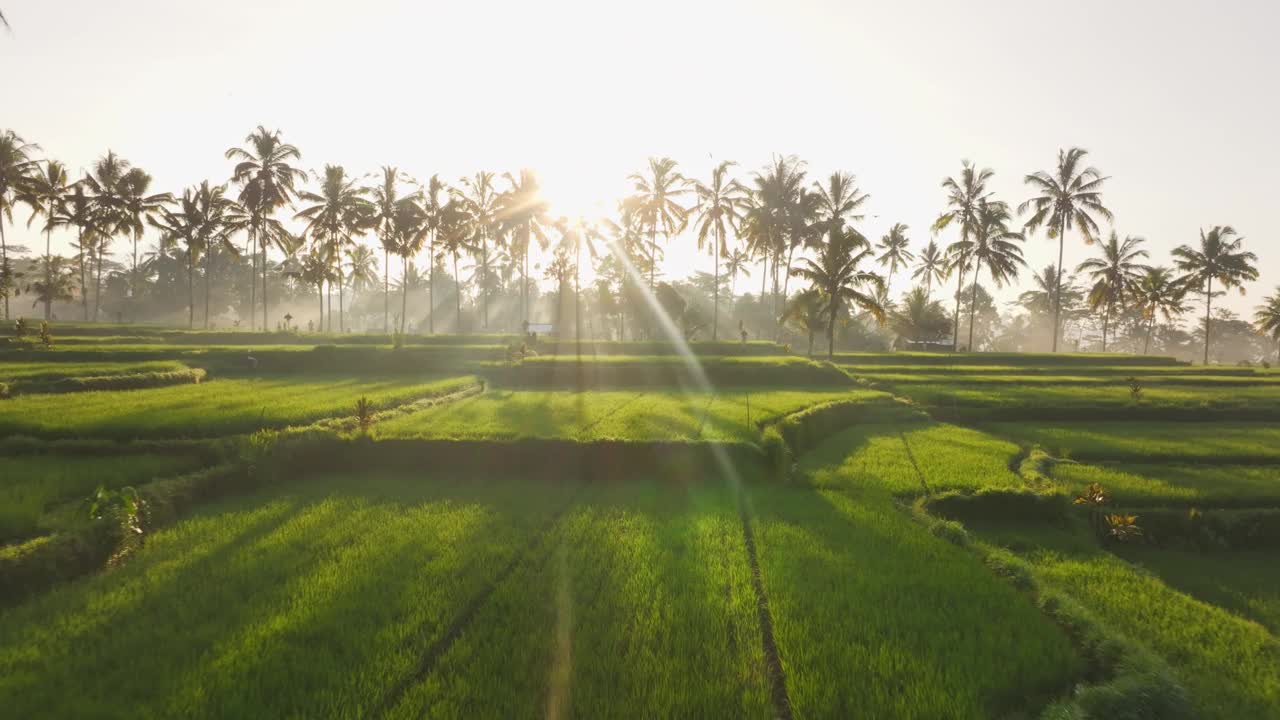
x: 44, y: 371
x: 1219, y: 442
x: 1203, y: 484
x: 218, y: 407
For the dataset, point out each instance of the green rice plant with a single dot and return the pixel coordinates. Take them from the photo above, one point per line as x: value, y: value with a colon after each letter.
x: 40, y: 372
x: 1243, y: 582
x: 33, y: 487
x: 912, y: 459
x: 1206, y: 484
x: 640, y: 597
x: 365, y: 414
x: 1122, y: 528
x: 1148, y: 442
x: 876, y: 617
x: 219, y: 407
x: 304, y: 600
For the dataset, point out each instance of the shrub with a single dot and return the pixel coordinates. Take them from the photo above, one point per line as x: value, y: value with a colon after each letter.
x: 1135, y: 389
x: 365, y: 414
x: 1122, y: 528
x: 999, y: 505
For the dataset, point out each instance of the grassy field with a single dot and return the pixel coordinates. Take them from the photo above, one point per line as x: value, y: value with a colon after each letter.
x: 387, y: 593
x: 622, y: 415
x: 218, y: 407
x: 1219, y: 442
x: 31, y: 485
x: 1201, y: 485
x: 912, y: 459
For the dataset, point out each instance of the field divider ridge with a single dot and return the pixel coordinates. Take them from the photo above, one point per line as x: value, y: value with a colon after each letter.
x: 772, y: 657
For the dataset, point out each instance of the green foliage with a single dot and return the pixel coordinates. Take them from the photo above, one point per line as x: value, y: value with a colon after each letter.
x: 1135, y: 389
x: 365, y: 414
x: 46, y: 334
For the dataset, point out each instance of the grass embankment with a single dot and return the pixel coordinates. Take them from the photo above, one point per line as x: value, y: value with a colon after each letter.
x: 731, y: 415
x: 1218, y: 443
x: 1199, y: 485
x: 218, y: 407
x: 32, y: 485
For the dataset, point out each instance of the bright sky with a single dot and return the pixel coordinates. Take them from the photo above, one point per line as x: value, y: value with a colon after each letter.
x: 1176, y: 100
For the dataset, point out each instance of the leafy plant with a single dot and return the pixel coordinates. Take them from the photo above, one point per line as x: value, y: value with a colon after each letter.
x: 123, y: 506
x: 20, y: 328
x: 1135, y: 389
x: 46, y: 335
x: 365, y: 414
x: 1122, y: 528
x: 1094, y: 496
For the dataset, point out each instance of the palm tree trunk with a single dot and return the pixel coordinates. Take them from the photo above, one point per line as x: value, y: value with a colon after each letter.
x: 404, y: 294
x: 263, y: 245
x: 48, y: 266
x: 431, y: 287
x: 4, y: 268
x: 1151, y: 325
x: 484, y: 264
x: 457, y: 292
x: 208, y: 283
x: 653, y: 253
x: 386, y: 290
x: 1208, y: 303
x: 810, y: 343
x: 320, y: 296
x: 97, y: 290
x: 341, y: 312
x: 133, y: 284
x: 253, y: 276
x: 577, y: 296
x: 973, y: 300
x: 191, y: 292
x: 1057, y: 292
x: 715, y: 293
x: 955, y: 334
x: 1106, y: 319
x: 84, y: 289
x: 831, y: 327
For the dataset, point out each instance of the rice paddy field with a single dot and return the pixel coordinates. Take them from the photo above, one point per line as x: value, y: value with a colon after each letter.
x: 841, y: 561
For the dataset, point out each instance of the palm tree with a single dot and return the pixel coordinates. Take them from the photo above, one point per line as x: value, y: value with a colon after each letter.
x: 107, y: 184
x: 456, y: 230
x: 45, y: 193
x: 79, y: 211
x: 835, y: 274
x: 965, y: 197
x: 806, y: 312
x: 656, y: 195
x: 316, y: 269
x: 266, y: 180
x: 16, y: 168
x: 932, y: 266
x: 735, y: 264
x: 408, y: 225
x: 136, y: 210
x: 224, y: 219
x: 523, y: 213
x: 1158, y: 292
x: 919, y: 317
x: 203, y: 223
x: 340, y: 212
x: 718, y: 209
x: 839, y: 200
x: 361, y: 270
x: 1115, y: 274
x: 894, y: 252
x: 1267, y: 318
x: 184, y: 227
x: 385, y: 197
x: 433, y: 205
x: 783, y: 211
x: 992, y: 243
x: 59, y: 284
x: 481, y: 199
x: 1068, y: 198
x: 1220, y: 258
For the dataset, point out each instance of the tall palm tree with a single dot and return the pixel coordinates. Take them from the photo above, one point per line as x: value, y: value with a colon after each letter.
x: 224, y: 218
x: 481, y: 198
x: 78, y: 211
x: 266, y: 180
x: 16, y: 168
x: 736, y: 264
x: 784, y: 212
x: 361, y: 269
x: 183, y: 227
x: 385, y: 196
x: 456, y: 230
x: 203, y: 223
x: 718, y: 206
x: 932, y: 266
x: 433, y: 204
x: 409, y: 229
x: 523, y: 214
x: 1267, y: 319
x: 106, y: 182
x: 993, y: 244
x: 137, y: 207
x: 1158, y: 292
x: 965, y: 196
x: 45, y: 193
x: 894, y: 252
x: 835, y: 274
x: 1115, y: 274
x: 919, y: 317
x: 1068, y: 198
x: 341, y: 211
x: 657, y: 195
x: 839, y: 200
x: 1220, y: 257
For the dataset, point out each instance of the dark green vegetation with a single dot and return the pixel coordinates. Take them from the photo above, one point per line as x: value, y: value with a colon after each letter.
x: 491, y: 545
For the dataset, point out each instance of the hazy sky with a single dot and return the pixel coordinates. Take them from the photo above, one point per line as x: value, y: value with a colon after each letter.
x: 1177, y: 101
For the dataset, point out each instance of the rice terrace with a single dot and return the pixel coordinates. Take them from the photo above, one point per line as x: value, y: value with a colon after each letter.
x: 496, y: 386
